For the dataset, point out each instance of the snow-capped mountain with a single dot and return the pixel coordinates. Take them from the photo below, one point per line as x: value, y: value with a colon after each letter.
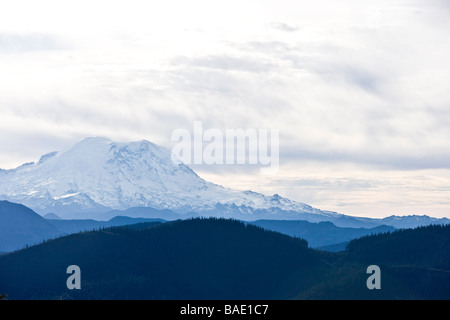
x: 97, y: 174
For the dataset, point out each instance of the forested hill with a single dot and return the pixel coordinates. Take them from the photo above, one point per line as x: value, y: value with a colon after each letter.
x: 20, y: 225
x: 414, y: 263
x: 191, y: 259
x: 423, y: 246
x: 227, y: 259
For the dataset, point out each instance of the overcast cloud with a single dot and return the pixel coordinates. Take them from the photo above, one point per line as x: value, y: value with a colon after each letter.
x: 360, y: 85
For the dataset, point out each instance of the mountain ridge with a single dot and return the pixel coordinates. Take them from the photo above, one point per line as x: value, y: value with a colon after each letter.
x: 96, y: 176
x: 21, y: 226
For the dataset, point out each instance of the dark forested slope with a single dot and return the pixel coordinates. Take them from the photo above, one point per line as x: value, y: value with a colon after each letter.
x: 192, y: 259
x: 227, y: 259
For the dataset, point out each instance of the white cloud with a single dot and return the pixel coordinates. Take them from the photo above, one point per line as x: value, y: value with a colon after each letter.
x: 349, y: 82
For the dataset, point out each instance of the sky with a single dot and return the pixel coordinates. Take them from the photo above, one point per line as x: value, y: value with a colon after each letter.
x: 359, y: 90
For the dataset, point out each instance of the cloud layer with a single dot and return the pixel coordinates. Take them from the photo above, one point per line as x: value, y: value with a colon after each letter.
x: 359, y: 83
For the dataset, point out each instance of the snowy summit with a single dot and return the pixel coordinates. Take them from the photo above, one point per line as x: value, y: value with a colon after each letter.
x: 97, y: 174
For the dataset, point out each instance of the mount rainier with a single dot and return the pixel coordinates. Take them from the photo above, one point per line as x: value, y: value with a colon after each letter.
x: 96, y: 176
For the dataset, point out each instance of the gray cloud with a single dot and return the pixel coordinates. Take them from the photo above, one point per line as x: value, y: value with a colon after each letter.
x: 374, y: 157
x: 286, y: 27
x: 14, y: 43
x: 348, y: 84
x: 341, y: 184
x: 225, y: 63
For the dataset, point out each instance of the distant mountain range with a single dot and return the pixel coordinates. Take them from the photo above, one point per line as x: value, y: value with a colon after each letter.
x: 218, y: 259
x: 21, y: 227
x: 100, y: 179
x: 319, y: 234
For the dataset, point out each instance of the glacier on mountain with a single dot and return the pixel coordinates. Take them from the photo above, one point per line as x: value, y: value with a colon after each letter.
x: 97, y: 174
